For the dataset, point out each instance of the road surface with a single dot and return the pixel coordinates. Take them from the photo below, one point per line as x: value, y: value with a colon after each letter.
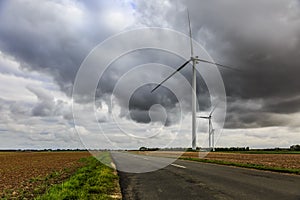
x: 194, y: 180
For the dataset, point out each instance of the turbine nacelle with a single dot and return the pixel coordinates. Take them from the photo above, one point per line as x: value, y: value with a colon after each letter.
x: 204, y: 117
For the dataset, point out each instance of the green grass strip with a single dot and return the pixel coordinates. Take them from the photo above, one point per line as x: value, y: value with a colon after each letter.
x: 246, y: 165
x: 94, y: 181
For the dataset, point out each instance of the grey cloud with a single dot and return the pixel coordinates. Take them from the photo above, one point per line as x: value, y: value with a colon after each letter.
x: 262, y: 38
x: 46, y: 103
x: 254, y: 120
x: 285, y: 106
x: 142, y: 99
x: 48, y: 106
x: 19, y: 108
x: 258, y: 113
x: 52, y: 37
x: 259, y: 37
x: 39, y: 43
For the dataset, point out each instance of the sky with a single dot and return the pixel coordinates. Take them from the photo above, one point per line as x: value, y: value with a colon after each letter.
x: 52, y: 50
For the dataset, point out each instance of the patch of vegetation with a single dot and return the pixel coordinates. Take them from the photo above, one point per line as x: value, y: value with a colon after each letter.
x: 246, y: 165
x: 295, y: 147
x: 94, y: 181
x: 232, y: 149
x: 148, y: 149
x: 36, y: 186
x: 104, y: 157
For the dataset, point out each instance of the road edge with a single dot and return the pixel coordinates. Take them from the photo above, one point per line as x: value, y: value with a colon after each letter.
x: 118, y: 193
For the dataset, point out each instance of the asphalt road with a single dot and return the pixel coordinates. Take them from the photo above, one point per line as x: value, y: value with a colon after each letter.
x: 194, y: 180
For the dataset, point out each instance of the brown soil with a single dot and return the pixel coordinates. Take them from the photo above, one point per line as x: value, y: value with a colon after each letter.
x: 24, y: 175
x: 291, y: 161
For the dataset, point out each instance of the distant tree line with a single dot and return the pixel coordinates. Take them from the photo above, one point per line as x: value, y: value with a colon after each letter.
x: 295, y: 147
x: 232, y: 149
x: 223, y: 149
x: 148, y: 149
x: 197, y: 149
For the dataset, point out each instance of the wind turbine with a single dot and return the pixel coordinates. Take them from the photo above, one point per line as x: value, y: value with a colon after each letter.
x: 195, y: 60
x: 211, y: 130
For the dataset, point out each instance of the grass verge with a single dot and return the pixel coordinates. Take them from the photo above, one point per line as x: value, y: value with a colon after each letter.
x: 93, y: 181
x: 246, y: 165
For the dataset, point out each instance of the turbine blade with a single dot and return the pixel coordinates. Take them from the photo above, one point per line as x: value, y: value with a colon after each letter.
x: 214, y: 109
x: 180, y: 68
x: 220, y: 65
x: 190, y: 32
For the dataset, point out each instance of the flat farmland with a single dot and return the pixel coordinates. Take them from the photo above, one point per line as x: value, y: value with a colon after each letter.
x: 289, y: 161
x: 22, y: 174
x: 273, y: 160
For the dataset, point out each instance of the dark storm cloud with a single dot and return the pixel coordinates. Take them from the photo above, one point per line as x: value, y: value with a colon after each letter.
x: 260, y: 37
x: 285, y: 106
x: 250, y: 115
x: 143, y: 99
x: 52, y: 36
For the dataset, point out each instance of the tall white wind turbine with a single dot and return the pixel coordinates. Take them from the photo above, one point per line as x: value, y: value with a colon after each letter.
x: 211, y: 130
x: 195, y: 60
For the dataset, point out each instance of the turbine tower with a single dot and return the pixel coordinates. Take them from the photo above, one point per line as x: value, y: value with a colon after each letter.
x: 211, y: 130
x: 195, y: 60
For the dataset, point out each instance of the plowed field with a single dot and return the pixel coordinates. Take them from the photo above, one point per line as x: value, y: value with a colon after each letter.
x: 22, y: 172
x: 291, y: 161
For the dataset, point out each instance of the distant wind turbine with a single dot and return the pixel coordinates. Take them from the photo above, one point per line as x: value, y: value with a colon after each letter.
x: 195, y: 60
x: 211, y: 130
